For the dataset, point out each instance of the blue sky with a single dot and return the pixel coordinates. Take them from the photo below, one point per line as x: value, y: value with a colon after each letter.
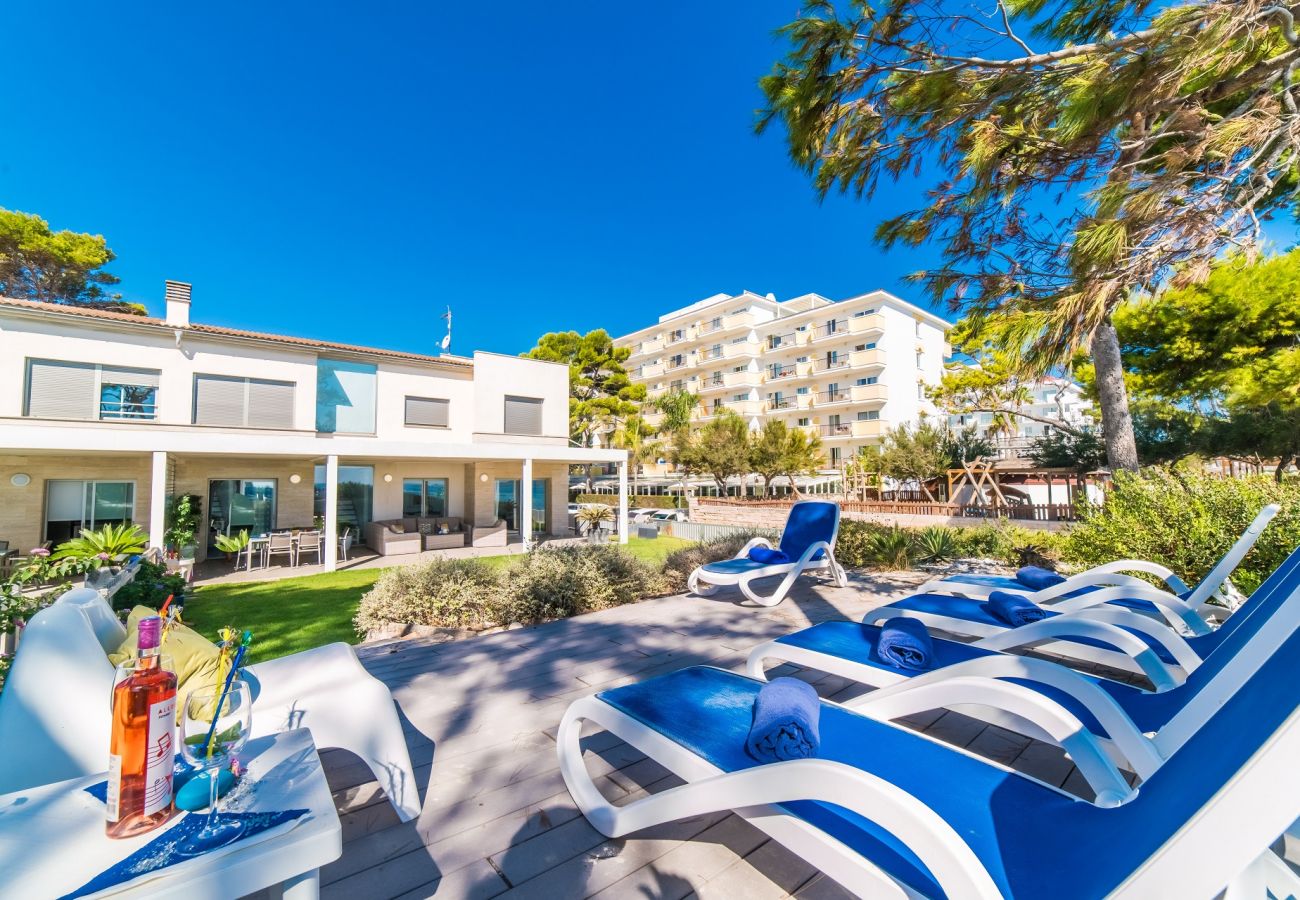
x: 345, y: 171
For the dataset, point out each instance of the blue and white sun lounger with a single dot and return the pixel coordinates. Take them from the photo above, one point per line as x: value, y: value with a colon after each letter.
x: 887, y: 812
x: 807, y: 544
x: 1194, y: 607
x: 1121, y: 714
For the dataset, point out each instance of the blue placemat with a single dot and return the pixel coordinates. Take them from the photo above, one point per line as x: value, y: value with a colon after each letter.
x: 161, y: 851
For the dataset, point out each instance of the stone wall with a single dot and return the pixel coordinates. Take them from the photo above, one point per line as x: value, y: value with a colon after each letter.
x: 774, y: 517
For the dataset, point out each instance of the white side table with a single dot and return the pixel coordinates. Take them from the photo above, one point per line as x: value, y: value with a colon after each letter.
x: 52, y: 837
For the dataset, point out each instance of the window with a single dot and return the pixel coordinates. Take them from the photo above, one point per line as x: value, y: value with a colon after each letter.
x: 715, y: 322
x: 523, y: 415
x: 801, y: 359
x: 868, y: 346
x: 739, y: 398
x: 424, y: 497
x: 739, y: 340
x: 242, y: 402
x: 739, y: 368
x: 870, y: 415
x: 356, y: 495
x: 69, y: 390
x: 920, y: 391
x: 802, y: 390
x: 428, y: 412
x: 863, y: 312
x: 345, y: 397
x: 803, y: 421
x: 870, y: 379
x: 836, y: 453
x: 73, y: 505
x: 920, y: 359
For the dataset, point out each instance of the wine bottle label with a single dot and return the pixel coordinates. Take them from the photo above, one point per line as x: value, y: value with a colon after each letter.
x: 160, y: 753
x: 114, y: 799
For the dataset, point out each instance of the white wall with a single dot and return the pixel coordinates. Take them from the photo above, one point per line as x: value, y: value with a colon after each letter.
x: 496, y: 376
x: 398, y: 381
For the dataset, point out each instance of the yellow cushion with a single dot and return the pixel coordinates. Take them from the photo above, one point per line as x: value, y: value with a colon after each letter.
x: 195, y: 658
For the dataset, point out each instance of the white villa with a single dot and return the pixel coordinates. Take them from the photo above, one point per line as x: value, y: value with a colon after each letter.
x: 845, y: 370
x: 105, y: 415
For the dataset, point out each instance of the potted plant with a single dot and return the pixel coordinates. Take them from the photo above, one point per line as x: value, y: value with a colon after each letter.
x: 232, y: 543
x: 591, y: 521
x: 182, y: 525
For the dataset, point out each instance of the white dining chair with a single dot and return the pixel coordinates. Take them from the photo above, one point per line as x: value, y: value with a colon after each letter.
x: 281, y: 543
x: 309, y: 542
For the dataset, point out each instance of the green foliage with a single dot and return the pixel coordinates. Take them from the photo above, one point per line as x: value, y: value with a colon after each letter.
x: 678, y: 565
x: 117, y: 542
x: 915, y: 455
x: 1082, y: 452
x: 37, y: 263
x: 565, y: 580
x: 150, y: 587
x: 182, y: 520
x: 890, y: 549
x: 600, y: 392
x: 594, y: 516
x: 677, y: 405
x: 1187, y: 521
x: 935, y: 543
x: 779, y: 450
x: 719, y: 449
x: 656, y: 501
x: 446, y: 593
x: 231, y: 543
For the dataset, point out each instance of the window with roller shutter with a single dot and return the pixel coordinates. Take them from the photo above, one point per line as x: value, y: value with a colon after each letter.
x: 523, y: 415
x: 59, y: 389
x: 428, y: 412
x: 237, y: 402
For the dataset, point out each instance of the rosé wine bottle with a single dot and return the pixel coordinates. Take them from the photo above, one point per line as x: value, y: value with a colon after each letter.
x: 142, y: 747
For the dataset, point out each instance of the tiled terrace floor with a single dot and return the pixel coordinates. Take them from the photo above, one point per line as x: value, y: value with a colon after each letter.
x: 497, y: 821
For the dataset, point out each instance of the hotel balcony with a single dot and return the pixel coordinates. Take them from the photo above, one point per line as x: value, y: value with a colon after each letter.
x: 864, y: 359
x: 740, y: 350
x: 651, y: 345
x: 789, y: 341
x: 679, y: 336
x: 742, y: 379
x: 866, y: 324
x: 784, y: 404
x: 708, y: 354
x: 829, y: 365
x: 745, y: 408
x: 836, y: 329
x: 685, y: 362
x: 828, y: 398
x: 867, y: 393
x: 723, y: 324
x: 836, y: 430
x: 869, y: 428
x: 710, y: 383
x: 648, y: 371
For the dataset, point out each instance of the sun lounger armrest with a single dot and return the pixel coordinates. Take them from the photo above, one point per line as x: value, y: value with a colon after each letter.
x: 1178, y: 612
x: 967, y: 682
x: 1155, y: 631
x: 936, y: 843
x: 1164, y: 573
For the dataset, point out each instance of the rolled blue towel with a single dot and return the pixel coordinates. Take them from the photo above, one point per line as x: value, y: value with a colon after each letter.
x: 905, y: 643
x: 767, y: 556
x: 1014, y: 609
x: 1036, y: 577
x: 786, y: 712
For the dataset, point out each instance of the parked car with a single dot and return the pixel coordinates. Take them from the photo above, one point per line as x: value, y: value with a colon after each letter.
x: 669, y: 515
x: 641, y: 514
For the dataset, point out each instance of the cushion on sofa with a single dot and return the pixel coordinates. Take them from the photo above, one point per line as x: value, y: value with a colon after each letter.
x: 396, y: 527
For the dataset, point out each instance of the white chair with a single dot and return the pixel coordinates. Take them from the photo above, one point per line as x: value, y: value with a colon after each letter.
x: 281, y: 543
x: 345, y: 543
x: 308, y: 542
x: 55, y: 716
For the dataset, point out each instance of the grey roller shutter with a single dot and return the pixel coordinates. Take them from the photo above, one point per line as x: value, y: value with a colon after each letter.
x: 523, y: 415
x: 61, y: 390
x: 219, y: 400
x: 122, y: 375
x: 270, y: 404
x: 427, y: 411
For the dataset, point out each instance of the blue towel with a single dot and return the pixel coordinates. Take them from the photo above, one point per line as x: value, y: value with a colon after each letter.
x: 785, y: 722
x: 1014, y: 609
x: 767, y: 556
x: 905, y: 643
x: 1036, y: 577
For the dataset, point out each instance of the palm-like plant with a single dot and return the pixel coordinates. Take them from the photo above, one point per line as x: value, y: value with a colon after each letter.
x: 678, y: 406
x: 114, y: 541
x: 635, y: 436
x: 592, y: 517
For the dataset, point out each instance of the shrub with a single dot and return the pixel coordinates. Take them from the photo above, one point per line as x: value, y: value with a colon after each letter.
x: 117, y: 541
x: 449, y: 593
x: 1187, y: 522
x: 651, y: 501
x: 890, y: 548
x: 853, y: 546
x: 679, y: 564
x: 1009, y: 544
x: 150, y: 587
x: 935, y: 543
x: 555, y: 582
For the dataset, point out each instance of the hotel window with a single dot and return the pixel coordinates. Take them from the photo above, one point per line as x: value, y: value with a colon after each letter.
x: 69, y: 390
x: 242, y: 402
x: 424, y: 497
x: 864, y: 312
x: 428, y: 412
x: 836, y: 453
x: 739, y: 340
x: 803, y: 421
x: 345, y: 397
x: 870, y: 379
x: 920, y: 359
x: 870, y: 415
x: 868, y: 346
x: 920, y: 391
x: 523, y: 415
x: 801, y: 359
x: 739, y: 368
x: 802, y: 390
x: 739, y: 398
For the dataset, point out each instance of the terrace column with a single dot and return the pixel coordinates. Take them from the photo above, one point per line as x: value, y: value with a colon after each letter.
x: 331, y: 536
x: 622, y: 502
x: 158, y: 501
x: 526, y: 504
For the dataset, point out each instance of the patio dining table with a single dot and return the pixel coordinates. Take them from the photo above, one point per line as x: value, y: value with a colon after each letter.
x: 260, y: 544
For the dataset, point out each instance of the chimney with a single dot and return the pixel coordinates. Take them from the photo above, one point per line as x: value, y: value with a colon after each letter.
x: 178, y: 303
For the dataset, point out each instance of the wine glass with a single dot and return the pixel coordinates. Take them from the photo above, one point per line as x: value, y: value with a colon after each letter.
x: 214, y: 729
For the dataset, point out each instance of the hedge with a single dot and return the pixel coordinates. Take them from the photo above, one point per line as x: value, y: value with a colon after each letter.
x: 649, y: 500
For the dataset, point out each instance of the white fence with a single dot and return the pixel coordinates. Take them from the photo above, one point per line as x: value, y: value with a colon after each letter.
x: 702, y: 531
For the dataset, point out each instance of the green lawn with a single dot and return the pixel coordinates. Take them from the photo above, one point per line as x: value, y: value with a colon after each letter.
x: 300, y: 613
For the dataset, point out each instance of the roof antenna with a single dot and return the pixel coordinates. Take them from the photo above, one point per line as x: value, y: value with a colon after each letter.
x: 446, y: 341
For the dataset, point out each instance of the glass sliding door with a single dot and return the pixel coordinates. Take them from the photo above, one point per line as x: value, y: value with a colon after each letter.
x: 424, y: 497
x: 356, y: 495
x: 73, y: 505
x: 508, y: 506
x: 240, y: 504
